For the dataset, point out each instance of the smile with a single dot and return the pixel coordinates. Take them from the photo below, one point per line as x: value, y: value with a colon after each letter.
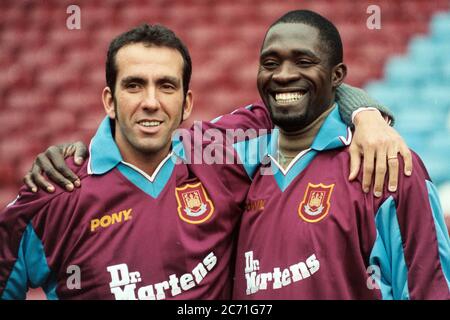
x: 289, y: 97
x: 149, y: 124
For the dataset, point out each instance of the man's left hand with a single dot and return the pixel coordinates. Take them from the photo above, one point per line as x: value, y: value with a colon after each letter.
x: 379, y: 145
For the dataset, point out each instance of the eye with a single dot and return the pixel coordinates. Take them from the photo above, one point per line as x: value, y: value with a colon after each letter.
x: 168, y: 87
x: 133, y: 86
x: 304, y: 62
x: 269, y: 64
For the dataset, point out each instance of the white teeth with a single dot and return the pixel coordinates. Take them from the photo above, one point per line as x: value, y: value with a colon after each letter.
x: 149, y: 123
x: 288, y: 97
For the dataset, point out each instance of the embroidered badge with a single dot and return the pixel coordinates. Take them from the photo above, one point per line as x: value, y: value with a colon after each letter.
x: 194, y: 205
x: 316, y: 202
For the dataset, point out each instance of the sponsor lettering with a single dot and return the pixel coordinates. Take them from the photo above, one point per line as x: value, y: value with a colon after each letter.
x: 124, y: 283
x: 279, y: 277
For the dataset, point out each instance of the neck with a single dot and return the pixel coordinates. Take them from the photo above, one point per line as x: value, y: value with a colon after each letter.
x: 146, y: 161
x: 291, y: 143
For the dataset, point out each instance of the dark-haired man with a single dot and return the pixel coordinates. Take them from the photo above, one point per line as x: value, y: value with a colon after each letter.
x: 142, y: 226
x: 309, y: 233
x: 122, y: 235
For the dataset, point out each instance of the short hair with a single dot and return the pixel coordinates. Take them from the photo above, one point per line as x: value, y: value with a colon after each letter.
x: 156, y: 35
x: 332, y: 43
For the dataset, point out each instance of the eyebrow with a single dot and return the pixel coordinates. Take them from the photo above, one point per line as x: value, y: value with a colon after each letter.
x: 131, y: 79
x: 297, y: 52
x: 173, y: 80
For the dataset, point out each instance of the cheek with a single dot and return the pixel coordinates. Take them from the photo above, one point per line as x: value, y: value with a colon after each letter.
x: 174, y: 108
x: 262, y: 78
x: 125, y: 111
x: 321, y: 83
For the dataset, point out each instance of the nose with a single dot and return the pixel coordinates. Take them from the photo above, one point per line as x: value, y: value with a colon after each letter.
x: 286, y: 73
x: 150, y: 100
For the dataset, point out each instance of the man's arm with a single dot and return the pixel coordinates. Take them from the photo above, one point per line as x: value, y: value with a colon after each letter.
x: 22, y: 259
x: 373, y: 139
x: 52, y: 162
x: 412, y: 249
x: 351, y: 99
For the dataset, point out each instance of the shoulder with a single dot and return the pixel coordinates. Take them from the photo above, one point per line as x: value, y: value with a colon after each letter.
x: 29, y: 203
x: 254, y: 115
x: 412, y: 191
x: 419, y: 173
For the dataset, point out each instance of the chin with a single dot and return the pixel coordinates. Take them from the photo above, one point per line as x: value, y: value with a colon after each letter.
x: 288, y: 121
x: 148, y: 147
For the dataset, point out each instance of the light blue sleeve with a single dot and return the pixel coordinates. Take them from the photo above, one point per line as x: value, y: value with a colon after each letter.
x: 30, y: 270
x: 425, y: 242
x: 388, y: 255
x: 441, y: 231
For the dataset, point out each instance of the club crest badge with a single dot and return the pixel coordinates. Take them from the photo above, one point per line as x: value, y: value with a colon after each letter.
x: 316, y: 202
x: 194, y: 205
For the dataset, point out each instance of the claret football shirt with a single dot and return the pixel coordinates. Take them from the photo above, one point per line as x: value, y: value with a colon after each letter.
x: 309, y: 233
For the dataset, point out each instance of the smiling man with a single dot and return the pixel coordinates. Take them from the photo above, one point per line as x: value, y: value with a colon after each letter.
x: 146, y: 106
x: 141, y: 227
x: 288, y: 96
x: 309, y: 233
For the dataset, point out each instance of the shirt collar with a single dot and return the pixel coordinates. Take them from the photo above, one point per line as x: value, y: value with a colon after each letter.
x: 333, y: 134
x: 105, y: 154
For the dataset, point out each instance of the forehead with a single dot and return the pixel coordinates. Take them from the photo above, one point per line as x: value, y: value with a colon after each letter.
x: 144, y: 60
x: 292, y: 36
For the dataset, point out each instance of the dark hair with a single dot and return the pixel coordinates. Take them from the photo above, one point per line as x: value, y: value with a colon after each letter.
x: 332, y: 43
x: 156, y: 35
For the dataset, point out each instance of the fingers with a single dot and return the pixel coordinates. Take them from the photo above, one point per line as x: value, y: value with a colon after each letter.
x: 368, y: 163
x: 392, y: 161
x: 38, y: 178
x: 407, y: 158
x: 355, y: 163
x: 44, y: 163
x: 29, y: 182
x: 380, y: 172
x: 81, y: 152
x: 54, y: 155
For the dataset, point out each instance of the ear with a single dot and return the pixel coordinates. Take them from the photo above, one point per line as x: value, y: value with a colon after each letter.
x: 339, y: 73
x: 188, y: 105
x: 108, y: 102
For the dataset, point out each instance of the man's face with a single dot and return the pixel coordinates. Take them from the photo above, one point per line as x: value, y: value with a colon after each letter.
x: 294, y: 78
x: 148, y: 104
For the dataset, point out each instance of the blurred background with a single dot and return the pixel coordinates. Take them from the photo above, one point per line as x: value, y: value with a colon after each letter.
x: 52, y: 77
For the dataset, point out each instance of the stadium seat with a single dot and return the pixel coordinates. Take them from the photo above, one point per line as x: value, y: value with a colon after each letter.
x: 402, y: 71
x: 439, y: 170
x: 437, y: 98
x: 440, y: 27
x: 398, y: 97
x: 28, y: 100
x: 420, y: 53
